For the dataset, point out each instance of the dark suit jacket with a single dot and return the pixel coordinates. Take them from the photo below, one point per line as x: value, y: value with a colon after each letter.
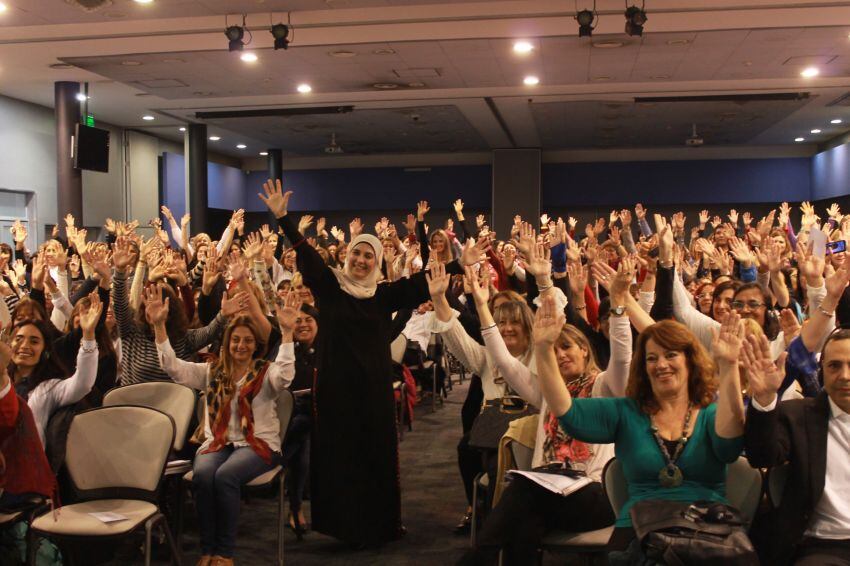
x: 794, y: 432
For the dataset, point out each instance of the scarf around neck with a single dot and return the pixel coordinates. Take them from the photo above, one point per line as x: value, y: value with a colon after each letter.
x: 558, y: 446
x: 361, y: 288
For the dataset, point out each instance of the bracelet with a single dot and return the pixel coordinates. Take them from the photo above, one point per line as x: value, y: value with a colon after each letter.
x: 488, y: 327
x: 541, y: 289
x: 825, y: 312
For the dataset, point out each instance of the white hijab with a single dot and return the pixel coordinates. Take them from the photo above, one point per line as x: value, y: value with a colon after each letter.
x: 366, y: 287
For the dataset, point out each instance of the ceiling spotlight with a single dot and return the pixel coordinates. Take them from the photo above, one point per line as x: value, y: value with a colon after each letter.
x: 2, y: 7
x: 816, y: 131
x: 523, y: 47
x: 147, y: 117
x: 304, y: 88
x: 234, y: 35
x: 530, y: 80
x: 81, y: 97
x: 249, y: 57
x: 836, y: 121
x: 144, y: 1
x: 635, y: 19
x: 214, y: 138
x: 280, y: 32
x: 799, y: 139
x: 264, y: 153
x: 810, y: 72
x: 241, y: 146
x: 585, y: 22
x: 182, y: 129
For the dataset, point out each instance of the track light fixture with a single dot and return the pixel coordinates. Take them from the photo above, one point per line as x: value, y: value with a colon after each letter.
x: 585, y: 20
x: 234, y: 35
x: 280, y: 32
x: 635, y: 19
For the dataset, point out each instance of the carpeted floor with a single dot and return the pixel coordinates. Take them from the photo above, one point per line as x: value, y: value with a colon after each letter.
x: 432, y: 503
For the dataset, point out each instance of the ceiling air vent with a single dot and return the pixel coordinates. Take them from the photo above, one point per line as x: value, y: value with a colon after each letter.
x: 89, y: 5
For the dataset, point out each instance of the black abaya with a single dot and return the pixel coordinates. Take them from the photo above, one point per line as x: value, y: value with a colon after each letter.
x: 355, y: 489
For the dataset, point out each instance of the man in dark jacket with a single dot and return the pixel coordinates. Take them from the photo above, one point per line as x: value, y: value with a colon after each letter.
x: 811, y: 524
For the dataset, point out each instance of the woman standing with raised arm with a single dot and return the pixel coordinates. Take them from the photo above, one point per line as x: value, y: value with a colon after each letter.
x: 355, y: 491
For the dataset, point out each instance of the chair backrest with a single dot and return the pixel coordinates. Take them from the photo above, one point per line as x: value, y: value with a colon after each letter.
x: 397, y: 348
x: 615, y: 486
x: 522, y: 455
x: 743, y: 488
x: 119, y: 451
x: 173, y: 399
x: 776, y: 479
x: 284, y: 411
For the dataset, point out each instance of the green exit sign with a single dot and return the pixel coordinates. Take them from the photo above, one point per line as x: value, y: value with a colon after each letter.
x: 90, y: 121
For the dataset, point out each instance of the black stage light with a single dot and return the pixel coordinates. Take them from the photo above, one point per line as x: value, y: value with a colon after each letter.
x: 234, y: 35
x: 585, y: 23
x: 635, y: 18
x: 281, y: 36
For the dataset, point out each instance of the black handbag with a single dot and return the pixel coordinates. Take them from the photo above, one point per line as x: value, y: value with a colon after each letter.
x: 677, y: 533
x: 492, y: 423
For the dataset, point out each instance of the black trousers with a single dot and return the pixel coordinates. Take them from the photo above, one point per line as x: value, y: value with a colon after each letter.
x: 468, y: 459
x: 527, y: 511
x: 823, y: 552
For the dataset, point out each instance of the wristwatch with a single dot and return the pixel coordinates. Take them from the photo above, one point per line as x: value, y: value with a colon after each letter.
x: 618, y: 311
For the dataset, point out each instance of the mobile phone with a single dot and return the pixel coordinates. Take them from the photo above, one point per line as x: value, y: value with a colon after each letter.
x: 836, y: 247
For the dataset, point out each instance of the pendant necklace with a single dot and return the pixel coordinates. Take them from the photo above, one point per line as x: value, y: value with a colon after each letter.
x: 671, y: 475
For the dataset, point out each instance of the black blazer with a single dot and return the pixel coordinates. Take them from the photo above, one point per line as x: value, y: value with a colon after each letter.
x: 794, y: 432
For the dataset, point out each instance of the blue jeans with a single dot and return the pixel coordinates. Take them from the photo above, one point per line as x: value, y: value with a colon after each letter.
x: 218, y: 478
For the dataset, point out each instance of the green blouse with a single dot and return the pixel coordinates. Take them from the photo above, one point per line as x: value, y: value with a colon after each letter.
x: 620, y: 420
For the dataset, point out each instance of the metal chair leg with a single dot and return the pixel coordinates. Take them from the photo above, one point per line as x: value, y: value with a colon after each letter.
x: 148, y: 524
x: 176, y: 553
x: 473, y: 531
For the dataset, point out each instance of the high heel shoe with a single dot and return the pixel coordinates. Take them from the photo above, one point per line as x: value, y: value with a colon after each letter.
x: 299, y: 529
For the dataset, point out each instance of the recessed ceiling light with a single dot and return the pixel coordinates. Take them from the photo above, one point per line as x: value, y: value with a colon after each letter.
x: 809, y: 72
x: 416, y: 85
x: 2, y: 7
x: 342, y: 54
x: 816, y: 131
x: 60, y: 66
x: 530, y: 80
x: 173, y: 60
x: 523, y: 47
x: 304, y: 88
x: 678, y: 41
x: 214, y: 138
x: 385, y: 86
x: 81, y: 97
x: 601, y: 78
x: 836, y: 121
x: 147, y: 117
x: 607, y: 44
x: 241, y: 146
x: 131, y: 63
x: 144, y: 1
x: 249, y: 57
x: 799, y: 139
x: 264, y: 153
x: 383, y: 51
x: 182, y: 129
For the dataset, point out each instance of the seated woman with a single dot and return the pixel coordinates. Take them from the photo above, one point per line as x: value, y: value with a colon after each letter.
x: 669, y: 405
x: 38, y: 375
x: 241, y: 426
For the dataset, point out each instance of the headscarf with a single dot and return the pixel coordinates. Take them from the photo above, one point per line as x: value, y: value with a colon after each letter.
x: 361, y: 288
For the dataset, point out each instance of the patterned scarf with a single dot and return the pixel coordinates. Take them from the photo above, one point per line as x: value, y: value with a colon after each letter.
x: 219, y: 396
x: 558, y: 446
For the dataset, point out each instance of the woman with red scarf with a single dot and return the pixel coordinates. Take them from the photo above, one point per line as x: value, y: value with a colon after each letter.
x: 241, y: 426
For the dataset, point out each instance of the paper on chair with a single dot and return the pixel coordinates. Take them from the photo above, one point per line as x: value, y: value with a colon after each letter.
x: 108, y: 517
x: 556, y: 483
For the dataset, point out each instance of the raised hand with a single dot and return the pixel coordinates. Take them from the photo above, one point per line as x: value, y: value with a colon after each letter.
x: 184, y: 221
x: 508, y: 256
x: 19, y: 232
x: 109, y: 224
x: 548, y: 323
x: 320, y: 225
x: 640, y: 211
x: 789, y: 324
x: 747, y: 218
x: 538, y: 261
x: 338, y: 234
x: 527, y: 238
x: 422, y: 209
x: 625, y: 218
x: 235, y: 305
x: 166, y: 212
x: 703, y: 217
x: 733, y: 217
x: 578, y: 274
x: 253, y: 246
x: 837, y: 282
x: 603, y: 273
x: 156, y: 309
x: 726, y: 342
x: 810, y: 265
x: 625, y: 275
x: 765, y: 376
x: 478, y: 285
x: 212, y: 271
x: 238, y: 272
x: 741, y: 252
x: 410, y: 224
x: 121, y: 253
x: 287, y: 312
x: 458, y: 206
x: 275, y: 199
x: 305, y: 222
x: 438, y: 280
x: 544, y: 220
x: 90, y: 316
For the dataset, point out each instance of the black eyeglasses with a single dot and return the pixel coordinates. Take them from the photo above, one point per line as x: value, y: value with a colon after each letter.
x: 752, y: 305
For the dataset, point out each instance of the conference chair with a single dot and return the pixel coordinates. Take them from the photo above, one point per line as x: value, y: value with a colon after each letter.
x: 274, y: 478
x: 115, y: 457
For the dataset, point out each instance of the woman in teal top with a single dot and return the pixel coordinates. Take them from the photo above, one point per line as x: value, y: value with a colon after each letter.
x: 671, y: 436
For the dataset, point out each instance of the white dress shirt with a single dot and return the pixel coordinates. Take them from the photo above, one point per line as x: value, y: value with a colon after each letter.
x: 831, y: 516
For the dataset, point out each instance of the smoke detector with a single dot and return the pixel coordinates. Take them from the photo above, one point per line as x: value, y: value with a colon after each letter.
x: 695, y: 140
x: 333, y: 148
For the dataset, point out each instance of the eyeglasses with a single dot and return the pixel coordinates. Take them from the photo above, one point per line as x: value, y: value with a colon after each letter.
x: 752, y: 305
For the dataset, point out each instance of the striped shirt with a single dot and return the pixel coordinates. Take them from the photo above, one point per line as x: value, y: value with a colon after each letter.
x: 139, y: 357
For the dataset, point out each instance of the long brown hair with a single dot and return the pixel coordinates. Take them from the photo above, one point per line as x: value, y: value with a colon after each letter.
x: 672, y: 335
x: 570, y: 333
x: 225, y: 362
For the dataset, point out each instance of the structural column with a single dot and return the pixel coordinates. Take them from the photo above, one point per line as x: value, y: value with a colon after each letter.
x: 196, y: 176
x: 69, y: 181
x: 516, y: 188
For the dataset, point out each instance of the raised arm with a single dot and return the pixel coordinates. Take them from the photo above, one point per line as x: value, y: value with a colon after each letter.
x: 726, y: 349
x: 71, y: 390
x: 188, y: 373
x: 548, y: 323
